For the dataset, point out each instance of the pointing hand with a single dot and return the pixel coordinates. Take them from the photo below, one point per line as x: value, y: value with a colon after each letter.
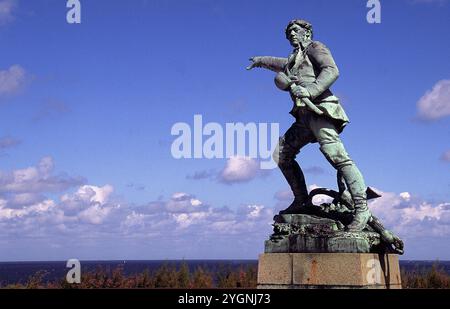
x: 255, y: 63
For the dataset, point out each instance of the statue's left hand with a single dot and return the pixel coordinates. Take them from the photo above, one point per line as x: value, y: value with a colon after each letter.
x: 300, y: 92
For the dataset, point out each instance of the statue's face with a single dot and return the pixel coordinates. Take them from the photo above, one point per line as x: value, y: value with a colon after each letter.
x: 296, y: 34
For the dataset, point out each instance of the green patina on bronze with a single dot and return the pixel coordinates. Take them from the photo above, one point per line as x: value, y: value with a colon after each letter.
x: 307, y: 74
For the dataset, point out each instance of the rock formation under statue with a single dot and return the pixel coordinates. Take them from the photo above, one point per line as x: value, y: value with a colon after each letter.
x: 321, y: 228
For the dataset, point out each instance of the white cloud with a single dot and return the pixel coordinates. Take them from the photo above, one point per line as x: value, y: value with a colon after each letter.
x: 404, y: 213
x: 94, y: 215
x: 195, y: 202
x: 254, y: 211
x: 36, y: 179
x: 411, y: 216
x: 10, y: 213
x: 89, y: 203
x: 12, y: 80
x: 183, y: 202
x: 7, y: 8
x: 239, y: 169
x: 179, y: 195
x: 22, y: 199
x: 320, y: 198
x: 185, y: 220
x: 206, y: 222
x: 285, y: 197
x: 134, y: 219
x: 422, y: 211
x: 405, y: 196
x: 435, y: 103
x: 25, y: 208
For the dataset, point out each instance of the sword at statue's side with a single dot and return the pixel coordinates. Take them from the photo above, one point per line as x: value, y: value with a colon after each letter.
x: 284, y: 82
x: 306, y: 101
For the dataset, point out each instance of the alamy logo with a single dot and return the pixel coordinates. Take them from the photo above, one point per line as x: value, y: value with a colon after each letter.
x: 74, y: 14
x: 211, y: 140
x: 74, y: 274
x: 374, y: 14
x: 374, y: 273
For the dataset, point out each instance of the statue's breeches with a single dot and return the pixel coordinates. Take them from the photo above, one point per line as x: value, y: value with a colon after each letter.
x: 312, y: 128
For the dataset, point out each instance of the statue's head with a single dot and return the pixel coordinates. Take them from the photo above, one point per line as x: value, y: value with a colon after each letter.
x: 299, y: 31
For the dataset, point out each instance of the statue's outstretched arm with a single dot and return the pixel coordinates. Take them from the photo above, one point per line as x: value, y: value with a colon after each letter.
x: 275, y: 64
x: 321, y: 56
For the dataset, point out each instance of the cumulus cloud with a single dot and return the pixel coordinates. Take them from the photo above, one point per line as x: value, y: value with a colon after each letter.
x: 183, y: 202
x: 7, y: 8
x: 406, y: 214
x: 12, y: 80
x: 26, y: 208
x: 38, y: 178
x: 435, y: 103
x: 239, y: 169
x: 134, y: 219
x: 185, y: 215
x: 7, y: 213
x: 94, y: 210
x: 18, y: 200
x: 88, y: 203
x: 181, y: 223
x: 412, y: 216
x: 32, y: 207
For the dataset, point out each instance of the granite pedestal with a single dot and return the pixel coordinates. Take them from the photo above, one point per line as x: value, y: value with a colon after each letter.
x: 307, y: 251
x: 328, y: 270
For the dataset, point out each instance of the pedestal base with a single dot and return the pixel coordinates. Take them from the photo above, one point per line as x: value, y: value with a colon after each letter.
x: 328, y: 270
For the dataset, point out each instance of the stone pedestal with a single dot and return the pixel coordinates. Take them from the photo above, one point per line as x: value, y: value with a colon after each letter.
x: 328, y: 270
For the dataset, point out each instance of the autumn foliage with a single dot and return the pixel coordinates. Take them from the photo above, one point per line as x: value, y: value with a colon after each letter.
x: 170, y: 276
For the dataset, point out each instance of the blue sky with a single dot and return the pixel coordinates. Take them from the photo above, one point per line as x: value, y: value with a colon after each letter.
x: 86, y: 112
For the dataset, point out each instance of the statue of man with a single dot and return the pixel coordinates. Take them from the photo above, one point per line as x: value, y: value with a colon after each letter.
x: 307, y: 74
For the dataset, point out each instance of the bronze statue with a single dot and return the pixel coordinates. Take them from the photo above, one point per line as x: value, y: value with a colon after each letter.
x: 307, y: 74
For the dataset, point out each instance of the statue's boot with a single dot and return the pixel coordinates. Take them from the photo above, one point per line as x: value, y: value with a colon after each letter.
x: 285, y: 155
x: 361, y: 218
x: 350, y: 176
x: 296, y: 207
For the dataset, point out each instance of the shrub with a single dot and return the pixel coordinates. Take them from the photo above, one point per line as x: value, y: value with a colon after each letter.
x: 168, y: 276
x: 436, y: 278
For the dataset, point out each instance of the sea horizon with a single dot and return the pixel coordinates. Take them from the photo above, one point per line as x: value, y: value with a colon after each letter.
x: 13, y: 272
x: 169, y: 259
